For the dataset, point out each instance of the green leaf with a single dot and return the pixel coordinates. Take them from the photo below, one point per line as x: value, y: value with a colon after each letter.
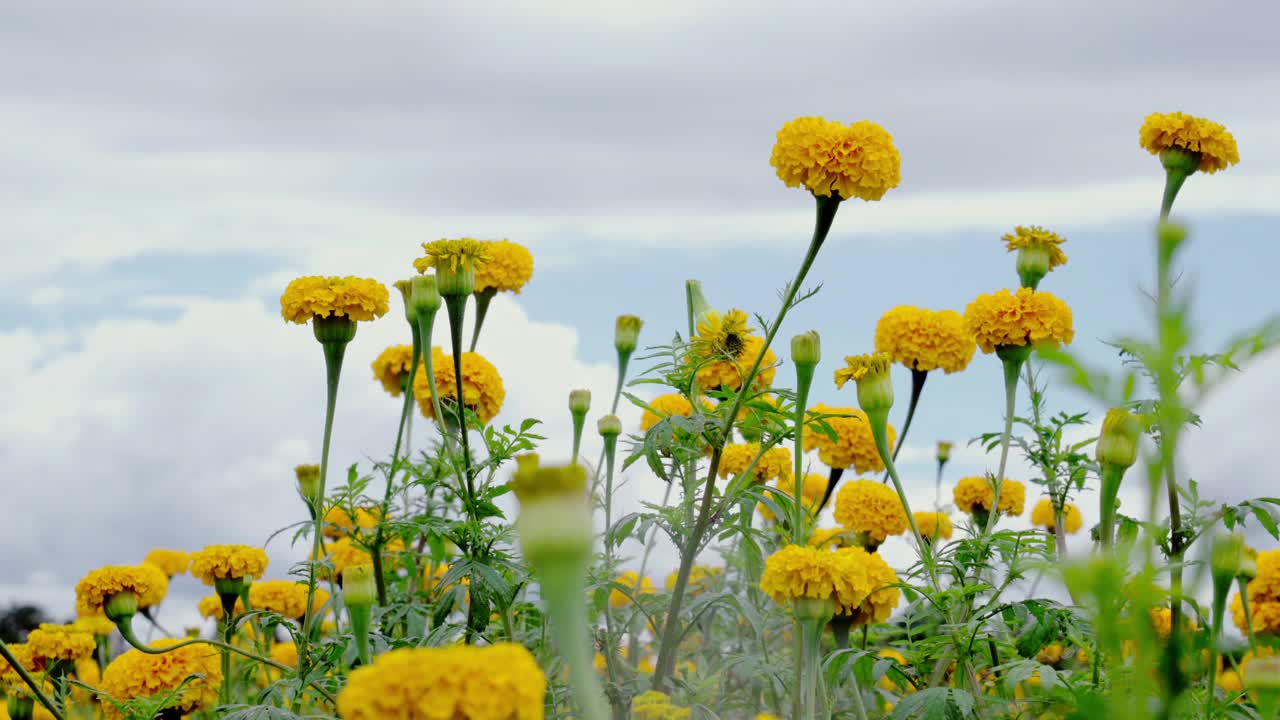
x: 935, y: 704
x: 1267, y: 521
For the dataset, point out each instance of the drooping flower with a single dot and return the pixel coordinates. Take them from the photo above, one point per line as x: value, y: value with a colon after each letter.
x: 882, y: 594
x: 925, y: 340
x: 1214, y: 145
x: 195, y: 669
x: 228, y: 562
x: 933, y: 526
x: 828, y: 157
x: 99, y: 585
x: 853, y: 446
x: 1042, y: 516
x: 172, y: 562
x: 815, y: 486
x: 482, y: 389
x: 664, y: 406
x: 508, y: 267
x: 977, y: 493
x: 867, y: 506
x: 1036, y: 237
x: 315, y: 296
x: 461, y: 682
x: 286, y: 597
x: 391, y: 368
x: 1027, y: 317
x: 54, y: 643
x: 632, y: 581
x: 775, y: 463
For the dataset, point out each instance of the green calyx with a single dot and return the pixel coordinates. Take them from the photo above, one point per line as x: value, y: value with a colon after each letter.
x: 334, y: 329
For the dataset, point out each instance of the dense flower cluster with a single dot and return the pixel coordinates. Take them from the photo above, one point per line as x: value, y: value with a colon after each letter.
x: 1264, y: 598
x: 314, y: 296
x: 507, y: 267
x: 52, y: 643
x: 228, y: 562
x: 1215, y: 145
x: 1042, y: 516
x: 636, y: 585
x: 925, y: 340
x: 461, y: 682
x: 867, y: 506
x: 1025, y: 317
x: 977, y: 493
x: 828, y: 157
x: 172, y: 562
x: 482, y: 389
x: 933, y: 525
x: 815, y: 486
x: 1034, y: 236
x: 392, y: 366
x: 774, y: 464
x: 98, y: 585
x: 286, y: 597
x: 136, y: 674
x: 853, y: 446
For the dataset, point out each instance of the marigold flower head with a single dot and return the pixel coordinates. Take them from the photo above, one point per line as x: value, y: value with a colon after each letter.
x: 700, y: 578
x: 1027, y: 317
x: 315, y: 296
x: 482, y: 388
x: 1264, y: 613
x: 1042, y: 516
x: 452, y: 254
x: 98, y: 625
x: 1034, y: 236
x: 392, y: 366
x: 635, y: 583
x: 815, y: 486
x: 508, y: 267
x: 867, y: 506
x: 338, y: 522
x: 925, y: 340
x: 862, y: 367
x: 795, y: 572
x: 933, y: 526
x: 95, y: 588
x: 158, y: 586
x: 342, y: 553
x: 286, y: 597
x: 653, y: 705
x: 1162, y: 622
x: 210, y: 606
x: 52, y: 643
x: 10, y: 680
x: 136, y: 674
x: 724, y: 349
x: 228, y: 562
x: 828, y: 157
x: 854, y: 446
x: 172, y: 562
x: 881, y: 594
x: 977, y: 493
x: 1210, y: 140
x: 285, y: 653
x: 460, y: 682
x: 664, y: 406
x: 721, y: 334
x: 774, y: 464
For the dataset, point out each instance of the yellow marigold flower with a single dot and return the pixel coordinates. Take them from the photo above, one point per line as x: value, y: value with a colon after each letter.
x: 315, y: 296
x: 1034, y: 236
x: 664, y: 406
x: 10, y: 680
x: 1162, y: 622
x: 1264, y: 613
x: 210, y: 606
x: 725, y: 348
x: 727, y: 374
x: 172, y: 562
x: 861, y: 367
x: 97, y: 586
x: 867, y: 506
x: 87, y: 672
x: 52, y: 643
x: 1215, y: 145
x: 392, y: 366
x: 482, y: 389
x: 1042, y: 516
x: 829, y: 538
x: 1050, y: 654
x: 737, y: 457
x: 875, y: 601
x: 338, y: 522
x: 977, y: 492
x: 795, y: 572
x: 461, y: 682
x: 285, y: 654
x: 700, y: 578
x: 286, y: 597
x: 721, y: 334
x: 857, y: 160
x: 886, y: 682
x: 933, y: 525
x: 452, y: 253
x: 194, y: 668
x: 158, y: 586
x: 854, y: 445
x: 653, y: 705
x: 1230, y: 681
x: 1027, y: 317
x: 342, y: 553
x: 508, y: 268
x: 815, y: 486
x: 98, y: 625
x: 925, y: 340
x: 632, y: 581
x: 228, y: 562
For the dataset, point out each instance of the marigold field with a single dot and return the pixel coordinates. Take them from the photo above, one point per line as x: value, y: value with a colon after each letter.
x: 477, y: 570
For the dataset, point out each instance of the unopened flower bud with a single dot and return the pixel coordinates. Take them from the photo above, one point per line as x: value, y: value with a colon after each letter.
x: 944, y: 452
x: 579, y: 402
x: 609, y: 426
x: 120, y: 606
x: 1118, y: 442
x: 626, y: 334
x: 875, y: 385
x: 308, y: 482
x: 406, y: 293
x: 1227, y: 556
x: 806, y: 348
x: 424, y: 295
x: 698, y: 305
x: 554, y: 523
x: 358, y: 586
x: 1033, y: 264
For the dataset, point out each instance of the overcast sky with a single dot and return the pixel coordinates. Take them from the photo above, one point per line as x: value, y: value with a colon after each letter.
x: 167, y: 168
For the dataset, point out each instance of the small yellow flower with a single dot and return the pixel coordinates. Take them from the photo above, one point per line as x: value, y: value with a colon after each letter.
x: 338, y: 522
x: 508, y: 267
x: 172, y: 562
x: 724, y: 350
x: 286, y: 597
x: 314, y: 296
x: 1162, y: 622
x: 700, y: 578
x: 451, y: 253
x: 831, y: 158
x: 775, y: 463
x: 1042, y: 516
x: 1210, y: 140
x: 867, y: 506
x: 862, y: 367
x: 482, y: 389
x: 1027, y: 317
x: 815, y: 486
x: 195, y: 669
x: 977, y: 493
x: 228, y: 562
x: 391, y: 368
x: 925, y: 340
x: 721, y: 334
x: 933, y: 525
x: 1034, y: 236
x: 636, y: 584
x: 854, y: 445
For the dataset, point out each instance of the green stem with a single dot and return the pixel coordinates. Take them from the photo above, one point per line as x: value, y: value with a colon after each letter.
x: 811, y: 642
x: 1172, y: 184
x: 30, y: 681
x: 457, y: 307
x: 1112, y: 475
x: 483, y: 298
x: 360, y: 629
x: 1012, y: 360
x: 799, y: 525
x: 880, y: 432
x: 1243, y: 588
x: 561, y: 585
x: 1220, y: 591
x: 228, y: 630
x: 917, y: 388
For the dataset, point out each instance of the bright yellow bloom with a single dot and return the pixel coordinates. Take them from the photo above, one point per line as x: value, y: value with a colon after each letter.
x: 721, y: 334
x: 889, y: 683
x: 867, y: 506
x: 700, y: 578
x: 158, y: 586
x: 137, y: 674
x: 452, y: 253
x: 933, y: 525
x: 172, y: 562
x: 977, y: 492
x: 881, y: 594
x: 815, y: 486
x: 338, y: 522
x: 342, y: 554
x: 1034, y: 236
x: 482, y: 389
x: 52, y: 643
x: 228, y: 562
x: 314, y: 296
x: 1216, y: 146
x: 1264, y: 613
x: 285, y: 654
x: 98, y: 625
x: 1027, y: 317
x: 210, y: 607
x: 1162, y: 622
x: 925, y: 340
x: 854, y: 445
x: 653, y: 705
x: 1050, y: 654
x: 392, y: 366
x: 664, y: 406
x: 10, y: 680
x: 286, y: 597
x: 829, y: 538
x: 97, y: 586
x: 507, y: 268
x: 1042, y: 516
x: 632, y: 581
x: 862, y: 367
x: 724, y: 349
x: 795, y: 572
x: 774, y: 464
x: 857, y: 160
x: 727, y: 374
x: 460, y: 682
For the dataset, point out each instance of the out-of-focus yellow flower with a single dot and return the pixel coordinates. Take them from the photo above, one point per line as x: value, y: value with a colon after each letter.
x: 828, y: 157
x: 137, y: 674
x: 700, y: 578
x: 10, y: 680
x: 1162, y: 622
x: 977, y: 492
x: 815, y: 486
x: 1042, y: 516
x: 867, y: 506
x: 391, y: 368
x: 774, y: 464
x: 482, y: 389
x: 507, y: 268
x: 285, y: 654
x: 286, y: 597
x: 51, y: 643
x: 1214, y: 144
x: 98, y: 625
x: 653, y: 705
x: 664, y: 406
x: 1026, y: 317
x: 314, y: 296
x: 925, y: 340
x: 886, y: 682
x: 158, y: 587
x: 636, y: 584
x: 210, y: 607
x: 228, y: 562
x: 1050, y: 654
x: 172, y: 562
x: 854, y: 445
x: 829, y: 538
x: 933, y: 526
x: 338, y: 522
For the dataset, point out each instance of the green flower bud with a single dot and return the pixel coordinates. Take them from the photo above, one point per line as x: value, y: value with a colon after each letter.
x: 806, y: 348
x: 626, y: 333
x: 875, y: 385
x: 579, y: 402
x: 358, y: 586
x: 944, y: 452
x: 1118, y: 442
x: 698, y: 304
x: 1033, y: 264
x: 406, y: 291
x: 555, y: 529
x: 424, y: 295
x: 1227, y: 557
x: 121, y: 606
x: 308, y: 482
x: 609, y: 426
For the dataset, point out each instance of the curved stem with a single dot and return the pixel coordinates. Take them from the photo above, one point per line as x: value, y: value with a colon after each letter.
x: 1012, y: 366
x: 30, y: 681
x: 483, y: 298
x: 833, y: 477
x: 917, y: 388
x: 561, y: 586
